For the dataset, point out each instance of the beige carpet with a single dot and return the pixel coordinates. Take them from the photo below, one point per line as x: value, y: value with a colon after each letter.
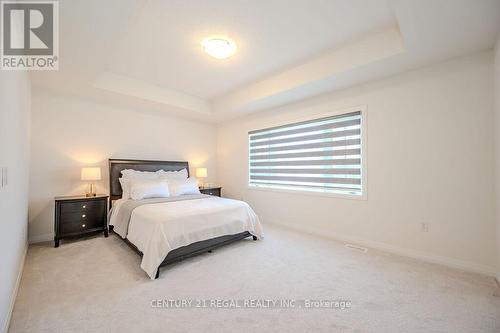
x: 96, y: 285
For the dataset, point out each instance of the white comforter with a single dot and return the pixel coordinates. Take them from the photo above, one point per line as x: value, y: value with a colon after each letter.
x: 156, y: 229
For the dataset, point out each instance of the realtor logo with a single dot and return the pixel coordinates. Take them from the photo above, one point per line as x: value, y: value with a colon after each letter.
x: 29, y: 35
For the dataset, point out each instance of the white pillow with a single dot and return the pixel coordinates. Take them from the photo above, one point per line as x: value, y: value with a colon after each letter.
x: 135, y: 174
x: 182, y: 187
x: 144, y: 189
x: 125, y: 183
x: 169, y: 175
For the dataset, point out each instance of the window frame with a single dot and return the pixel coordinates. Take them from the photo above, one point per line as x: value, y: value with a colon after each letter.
x: 364, y: 161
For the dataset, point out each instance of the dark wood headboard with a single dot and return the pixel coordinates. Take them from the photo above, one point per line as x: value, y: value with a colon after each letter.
x: 117, y: 165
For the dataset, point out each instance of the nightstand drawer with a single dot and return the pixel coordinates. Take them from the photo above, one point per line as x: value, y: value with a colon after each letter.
x: 78, y: 222
x: 216, y: 191
x: 83, y: 206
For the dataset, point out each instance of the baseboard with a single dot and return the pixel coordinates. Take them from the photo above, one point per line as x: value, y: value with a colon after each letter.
x: 427, y: 257
x: 41, y: 238
x: 13, y: 295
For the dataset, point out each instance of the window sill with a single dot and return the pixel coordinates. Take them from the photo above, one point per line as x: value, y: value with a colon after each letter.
x: 362, y: 197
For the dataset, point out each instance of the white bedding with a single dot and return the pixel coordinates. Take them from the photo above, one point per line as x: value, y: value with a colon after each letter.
x: 156, y: 229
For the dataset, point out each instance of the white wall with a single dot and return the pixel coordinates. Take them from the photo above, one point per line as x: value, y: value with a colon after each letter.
x: 430, y: 144
x: 497, y: 148
x: 14, y: 154
x: 68, y: 133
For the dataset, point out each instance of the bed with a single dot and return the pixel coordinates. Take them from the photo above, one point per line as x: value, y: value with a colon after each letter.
x: 167, y: 230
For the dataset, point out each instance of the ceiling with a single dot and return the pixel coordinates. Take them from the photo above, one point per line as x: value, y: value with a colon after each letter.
x: 147, y: 54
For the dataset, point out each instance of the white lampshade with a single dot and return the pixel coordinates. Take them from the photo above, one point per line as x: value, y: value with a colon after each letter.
x: 91, y: 174
x: 201, y: 172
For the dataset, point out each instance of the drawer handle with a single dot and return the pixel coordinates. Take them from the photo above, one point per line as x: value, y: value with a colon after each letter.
x: 84, y: 216
x: 83, y: 225
x: 84, y: 206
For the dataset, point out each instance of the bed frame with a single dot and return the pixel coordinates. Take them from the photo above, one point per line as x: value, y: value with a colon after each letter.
x: 115, y: 168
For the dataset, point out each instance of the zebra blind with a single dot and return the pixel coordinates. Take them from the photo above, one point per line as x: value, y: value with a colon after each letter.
x: 321, y: 155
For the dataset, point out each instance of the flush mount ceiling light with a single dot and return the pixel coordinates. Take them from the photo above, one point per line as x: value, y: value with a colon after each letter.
x: 219, y: 47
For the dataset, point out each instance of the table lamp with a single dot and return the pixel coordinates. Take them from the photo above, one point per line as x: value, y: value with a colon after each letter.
x: 90, y: 175
x: 200, y: 174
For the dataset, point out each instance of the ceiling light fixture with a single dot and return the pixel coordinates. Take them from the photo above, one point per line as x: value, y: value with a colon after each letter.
x: 220, y: 48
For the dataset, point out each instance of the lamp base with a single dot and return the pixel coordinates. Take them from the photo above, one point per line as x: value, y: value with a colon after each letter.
x: 90, y: 191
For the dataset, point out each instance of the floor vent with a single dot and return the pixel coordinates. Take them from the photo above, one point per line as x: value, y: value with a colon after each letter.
x: 356, y: 247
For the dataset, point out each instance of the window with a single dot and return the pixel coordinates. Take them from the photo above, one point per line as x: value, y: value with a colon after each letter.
x: 319, y: 155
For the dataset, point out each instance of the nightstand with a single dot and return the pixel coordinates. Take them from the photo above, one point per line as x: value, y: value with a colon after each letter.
x: 215, y: 191
x: 80, y: 215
